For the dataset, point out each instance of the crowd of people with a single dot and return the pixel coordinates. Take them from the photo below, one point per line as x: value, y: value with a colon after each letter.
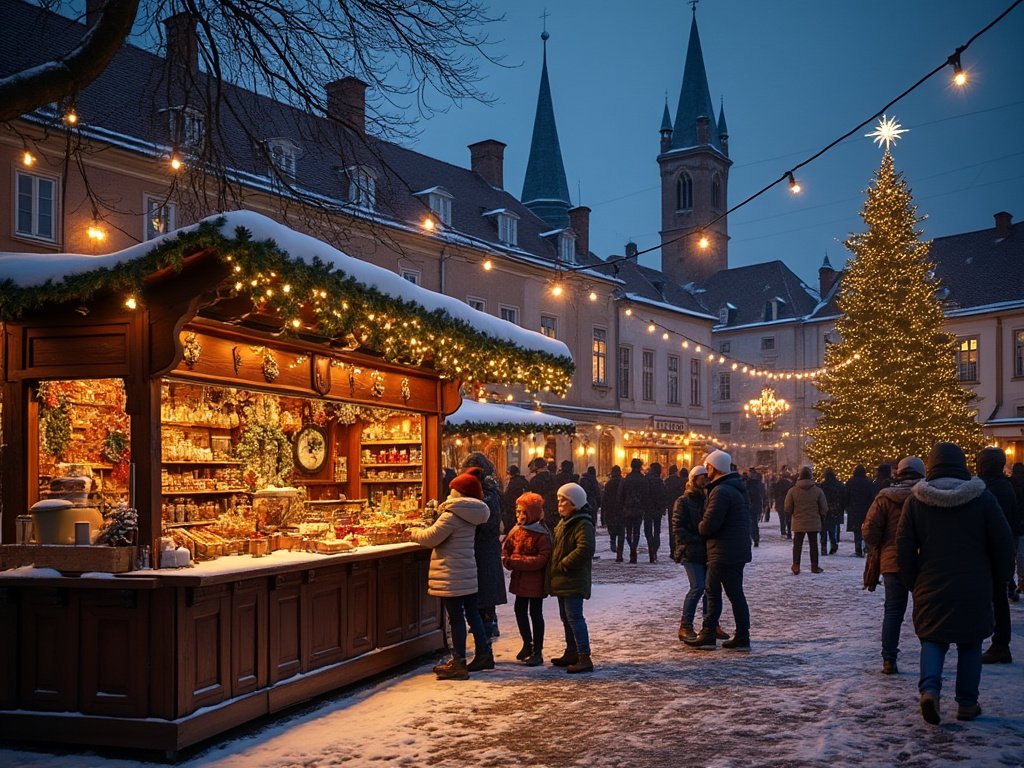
x: 932, y: 531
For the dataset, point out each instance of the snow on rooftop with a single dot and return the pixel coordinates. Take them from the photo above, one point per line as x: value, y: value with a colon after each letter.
x: 27, y: 270
x: 473, y: 412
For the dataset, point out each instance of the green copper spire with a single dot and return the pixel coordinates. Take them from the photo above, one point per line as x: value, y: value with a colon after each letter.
x: 545, y: 191
x: 694, y: 97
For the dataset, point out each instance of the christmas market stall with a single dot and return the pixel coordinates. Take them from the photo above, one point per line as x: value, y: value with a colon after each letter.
x: 506, y: 434
x: 215, y: 444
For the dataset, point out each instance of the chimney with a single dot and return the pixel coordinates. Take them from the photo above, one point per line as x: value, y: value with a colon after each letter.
x: 182, y: 44
x: 487, y: 158
x: 93, y: 9
x: 631, y: 250
x: 826, y: 278
x: 346, y: 103
x: 1003, y: 221
x: 579, y: 220
x: 703, y: 129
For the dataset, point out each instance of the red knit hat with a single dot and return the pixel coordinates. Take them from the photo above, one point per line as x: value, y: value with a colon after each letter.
x: 533, y: 506
x: 468, y: 483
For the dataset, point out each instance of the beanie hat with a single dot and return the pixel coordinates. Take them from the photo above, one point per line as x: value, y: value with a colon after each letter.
x: 947, y: 460
x: 574, y: 493
x: 720, y: 460
x: 910, y: 467
x: 468, y: 483
x: 696, y: 471
x: 532, y: 505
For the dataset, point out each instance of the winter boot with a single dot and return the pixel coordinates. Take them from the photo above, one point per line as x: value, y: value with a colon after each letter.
x: 583, y: 664
x: 536, y: 659
x: 720, y: 633
x: 482, y: 660
x: 618, y: 552
x: 795, y: 568
x: 706, y: 639
x: 968, y: 711
x: 739, y: 642
x: 889, y: 667
x: 686, y: 632
x: 930, y: 708
x: 455, y: 669
x: 525, y: 652
x: 632, y: 556
x: 568, y: 657
x: 997, y: 654
x: 816, y: 569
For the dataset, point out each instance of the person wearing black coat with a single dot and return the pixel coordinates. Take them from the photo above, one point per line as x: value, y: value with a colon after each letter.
x: 990, y: 465
x: 634, y: 500
x: 543, y: 482
x: 517, y: 485
x: 835, y: 497
x: 675, y: 486
x: 726, y: 527
x: 566, y: 474
x: 490, y: 573
x: 658, y: 506
x: 688, y: 547
x: 756, y: 494
x: 611, y: 512
x: 952, y: 541
x: 780, y: 488
x: 1017, y: 481
x: 860, y: 492
x: 589, y: 483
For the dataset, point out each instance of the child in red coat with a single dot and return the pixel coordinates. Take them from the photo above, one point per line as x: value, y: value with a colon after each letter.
x: 526, y: 552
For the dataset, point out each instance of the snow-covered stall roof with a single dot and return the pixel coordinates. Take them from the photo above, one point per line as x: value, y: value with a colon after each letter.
x: 474, y: 417
x: 32, y: 280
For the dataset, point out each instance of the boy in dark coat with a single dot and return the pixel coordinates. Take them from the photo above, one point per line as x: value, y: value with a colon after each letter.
x: 569, y: 576
x: 952, y: 541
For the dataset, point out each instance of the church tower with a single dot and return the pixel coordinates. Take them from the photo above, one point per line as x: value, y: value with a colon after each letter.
x: 545, y: 191
x: 694, y: 162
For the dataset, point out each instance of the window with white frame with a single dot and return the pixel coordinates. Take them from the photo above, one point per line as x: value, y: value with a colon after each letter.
x: 508, y: 228
x: 967, y: 358
x: 695, y: 364
x: 441, y: 204
x: 567, y: 248
x: 477, y: 303
x: 673, y: 379
x: 1018, y: 352
x: 36, y: 206
x: 724, y: 386
x: 412, y: 275
x: 160, y: 217
x: 511, y: 314
x: 549, y: 326
x: 284, y: 157
x: 647, y: 375
x: 362, y: 186
x: 599, y: 357
x: 625, y: 366
x: 188, y: 127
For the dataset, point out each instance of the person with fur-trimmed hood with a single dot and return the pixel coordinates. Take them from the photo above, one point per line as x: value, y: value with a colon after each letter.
x: 879, y: 532
x: 490, y: 576
x: 453, y: 573
x: 952, y: 542
x: 525, y: 553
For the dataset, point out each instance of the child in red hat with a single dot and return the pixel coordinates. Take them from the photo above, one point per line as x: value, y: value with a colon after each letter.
x: 525, y: 553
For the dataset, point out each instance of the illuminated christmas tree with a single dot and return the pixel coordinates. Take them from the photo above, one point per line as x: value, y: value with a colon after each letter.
x: 890, y: 384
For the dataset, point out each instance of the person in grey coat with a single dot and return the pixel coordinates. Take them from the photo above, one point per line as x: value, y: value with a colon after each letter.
x: 952, y: 541
x: 490, y: 574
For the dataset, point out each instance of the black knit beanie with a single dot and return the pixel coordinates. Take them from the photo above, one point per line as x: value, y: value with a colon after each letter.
x: 947, y: 460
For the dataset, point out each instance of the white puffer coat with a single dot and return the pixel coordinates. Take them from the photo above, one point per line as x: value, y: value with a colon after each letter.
x: 453, y: 561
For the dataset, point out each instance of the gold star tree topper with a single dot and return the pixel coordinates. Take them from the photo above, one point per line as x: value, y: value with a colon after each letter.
x: 887, y: 132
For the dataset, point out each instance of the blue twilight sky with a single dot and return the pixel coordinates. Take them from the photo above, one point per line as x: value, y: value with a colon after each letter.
x: 795, y: 75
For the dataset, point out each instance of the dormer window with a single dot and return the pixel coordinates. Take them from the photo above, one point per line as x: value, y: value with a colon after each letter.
x: 188, y: 127
x: 362, y: 186
x: 726, y: 313
x: 508, y: 225
x: 284, y: 155
x: 567, y: 248
x: 439, y: 200
x: 773, y: 309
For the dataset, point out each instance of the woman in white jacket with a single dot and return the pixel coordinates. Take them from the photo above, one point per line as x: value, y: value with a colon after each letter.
x: 452, y: 575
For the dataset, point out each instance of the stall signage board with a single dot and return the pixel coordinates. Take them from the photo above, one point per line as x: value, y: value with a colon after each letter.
x: 669, y: 425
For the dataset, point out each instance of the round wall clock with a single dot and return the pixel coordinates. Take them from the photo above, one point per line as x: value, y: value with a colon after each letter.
x: 310, y: 448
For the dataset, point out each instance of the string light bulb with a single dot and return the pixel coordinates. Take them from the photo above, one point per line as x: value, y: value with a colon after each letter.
x: 959, y: 73
x: 488, y: 265
x: 28, y: 159
x: 593, y: 296
x: 556, y: 289
x: 176, y: 163
x: 428, y: 224
x: 96, y: 232
x: 794, y: 185
x: 71, y: 117
x: 703, y: 242
x: 131, y: 303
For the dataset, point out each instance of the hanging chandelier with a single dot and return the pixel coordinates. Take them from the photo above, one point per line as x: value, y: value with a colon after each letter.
x: 766, y: 409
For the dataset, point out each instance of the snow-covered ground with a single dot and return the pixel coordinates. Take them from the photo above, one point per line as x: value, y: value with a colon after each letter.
x: 809, y: 694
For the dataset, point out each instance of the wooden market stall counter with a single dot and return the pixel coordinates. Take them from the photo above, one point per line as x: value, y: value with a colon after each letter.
x: 164, y: 659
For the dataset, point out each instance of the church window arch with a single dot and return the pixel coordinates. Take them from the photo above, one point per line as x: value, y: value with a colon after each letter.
x: 684, y: 192
x: 716, y: 192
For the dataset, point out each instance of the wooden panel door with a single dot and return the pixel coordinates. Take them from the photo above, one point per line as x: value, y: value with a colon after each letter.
x: 115, y: 669
x: 248, y: 636
x: 361, y: 608
x: 48, y: 650
x: 390, y: 619
x: 205, y: 628
x: 325, y: 598
x: 410, y: 597
x: 285, y: 635
x: 429, y: 607
x: 9, y: 648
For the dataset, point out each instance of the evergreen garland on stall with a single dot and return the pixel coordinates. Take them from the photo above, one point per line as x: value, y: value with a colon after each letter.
x: 900, y: 393
x: 314, y: 297
x: 505, y: 429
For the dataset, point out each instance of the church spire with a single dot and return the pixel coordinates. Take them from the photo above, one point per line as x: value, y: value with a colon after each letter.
x: 545, y: 190
x: 666, y: 128
x: 694, y: 99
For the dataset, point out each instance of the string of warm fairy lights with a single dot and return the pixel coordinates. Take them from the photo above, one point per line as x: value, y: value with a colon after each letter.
x: 959, y: 79
x: 735, y: 364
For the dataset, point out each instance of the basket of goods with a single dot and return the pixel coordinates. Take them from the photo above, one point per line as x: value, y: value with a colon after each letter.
x: 276, y: 507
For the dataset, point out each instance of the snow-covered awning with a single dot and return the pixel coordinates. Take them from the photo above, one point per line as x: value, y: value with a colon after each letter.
x: 474, y: 418
x: 328, y: 292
